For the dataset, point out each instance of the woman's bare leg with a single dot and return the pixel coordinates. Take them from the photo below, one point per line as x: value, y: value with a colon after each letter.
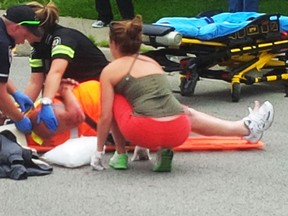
x: 119, y: 139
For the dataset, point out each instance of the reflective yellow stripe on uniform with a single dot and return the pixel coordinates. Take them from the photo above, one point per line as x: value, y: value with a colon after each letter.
x: 35, y: 63
x: 62, y: 49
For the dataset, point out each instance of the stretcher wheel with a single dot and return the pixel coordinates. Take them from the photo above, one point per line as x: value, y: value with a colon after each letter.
x: 187, y: 86
x: 235, y: 92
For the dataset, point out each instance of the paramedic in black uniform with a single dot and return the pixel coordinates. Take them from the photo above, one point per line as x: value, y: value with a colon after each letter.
x: 14, y: 28
x: 60, y: 53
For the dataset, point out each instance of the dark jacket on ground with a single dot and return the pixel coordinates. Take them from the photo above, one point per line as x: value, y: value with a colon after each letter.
x: 17, y: 162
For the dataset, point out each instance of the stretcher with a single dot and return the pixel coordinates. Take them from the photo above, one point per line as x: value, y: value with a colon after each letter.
x: 212, y: 143
x: 239, y: 48
x: 201, y: 143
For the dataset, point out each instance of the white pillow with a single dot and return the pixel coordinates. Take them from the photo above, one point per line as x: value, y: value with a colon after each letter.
x: 73, y: 153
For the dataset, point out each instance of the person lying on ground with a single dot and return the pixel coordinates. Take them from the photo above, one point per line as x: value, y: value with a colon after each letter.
x: 138, y: 106
x: 72, y: 107
x: 73, y: 104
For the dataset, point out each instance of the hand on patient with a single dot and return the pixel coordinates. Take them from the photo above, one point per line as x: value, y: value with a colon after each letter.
x: 67, y: 84
x: 69, y: 81
x: 23, y: 101
x: 96, y: 161
x: 24, y: 125
x: 47, y: 115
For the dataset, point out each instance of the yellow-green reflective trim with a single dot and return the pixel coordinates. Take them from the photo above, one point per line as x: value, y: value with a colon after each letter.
x: 62, y: 49
x: 35, y: 63
x: 37, y: 138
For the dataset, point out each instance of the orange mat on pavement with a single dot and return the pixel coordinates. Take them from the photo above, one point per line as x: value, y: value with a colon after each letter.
x: 210, y: 144
x: 217, y: 143
x: 192, y: 144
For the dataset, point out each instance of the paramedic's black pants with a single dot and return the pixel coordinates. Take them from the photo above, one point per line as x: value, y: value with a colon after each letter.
x: 104, y: 10
x: 243, y: 5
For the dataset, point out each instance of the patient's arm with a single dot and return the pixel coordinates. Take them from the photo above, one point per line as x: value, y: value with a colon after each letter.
x: 73, y: 114
x: 69, y: 114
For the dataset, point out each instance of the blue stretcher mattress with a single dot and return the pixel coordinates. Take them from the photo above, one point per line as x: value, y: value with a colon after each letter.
x: 208, y: 28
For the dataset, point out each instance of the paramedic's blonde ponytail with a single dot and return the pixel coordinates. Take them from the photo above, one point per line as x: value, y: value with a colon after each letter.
x: 47, y: 14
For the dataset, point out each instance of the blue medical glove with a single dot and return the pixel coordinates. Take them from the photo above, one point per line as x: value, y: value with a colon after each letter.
x: 24, y: 125
x: 47, y: 115
x: 23, y: 100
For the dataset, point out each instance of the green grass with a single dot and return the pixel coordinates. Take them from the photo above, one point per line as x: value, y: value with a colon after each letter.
x: 152, y: 10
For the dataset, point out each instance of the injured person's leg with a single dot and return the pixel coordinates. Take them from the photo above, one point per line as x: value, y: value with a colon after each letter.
x: 250, y: 128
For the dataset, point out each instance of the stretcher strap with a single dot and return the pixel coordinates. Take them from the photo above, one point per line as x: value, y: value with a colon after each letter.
x: 90, y: 122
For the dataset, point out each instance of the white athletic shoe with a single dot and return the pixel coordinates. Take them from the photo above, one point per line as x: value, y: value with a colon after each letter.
x: 99, y: 24
x: 258, y: 120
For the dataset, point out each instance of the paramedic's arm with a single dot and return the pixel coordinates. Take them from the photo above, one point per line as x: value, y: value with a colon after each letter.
x: 52, y: 83
x: 35, y: 85
x: 25, y: 103
x: 54, y: 76
x: 10, y: 87
x: 7, y: 105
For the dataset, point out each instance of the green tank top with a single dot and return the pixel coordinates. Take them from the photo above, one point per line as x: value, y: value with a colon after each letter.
x: 149, y: 95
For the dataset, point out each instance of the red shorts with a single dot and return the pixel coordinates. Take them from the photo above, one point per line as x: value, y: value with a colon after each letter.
x: 147, y: 132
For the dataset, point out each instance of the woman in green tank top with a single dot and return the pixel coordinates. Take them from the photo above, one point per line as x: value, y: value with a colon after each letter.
x: 138, y: 106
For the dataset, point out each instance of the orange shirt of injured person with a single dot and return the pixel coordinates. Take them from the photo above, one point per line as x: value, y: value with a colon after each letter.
x: 71, y: 106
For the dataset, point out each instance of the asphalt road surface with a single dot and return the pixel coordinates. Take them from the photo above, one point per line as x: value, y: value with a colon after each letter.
x: 224, y: 183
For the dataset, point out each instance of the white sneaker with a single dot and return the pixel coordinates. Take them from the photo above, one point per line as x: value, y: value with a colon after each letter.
x: 258, y: 120
x: 99, y: 24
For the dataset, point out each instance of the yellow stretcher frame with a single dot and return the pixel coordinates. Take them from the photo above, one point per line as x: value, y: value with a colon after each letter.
x: 264, y: 53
